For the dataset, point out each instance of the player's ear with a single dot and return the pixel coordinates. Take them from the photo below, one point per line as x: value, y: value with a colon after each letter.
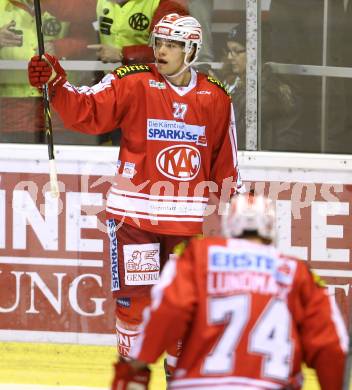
x: 192, y: 53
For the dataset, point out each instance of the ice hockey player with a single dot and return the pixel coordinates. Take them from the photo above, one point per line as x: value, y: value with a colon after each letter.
x: 178, y: 145
x: 249, y: 316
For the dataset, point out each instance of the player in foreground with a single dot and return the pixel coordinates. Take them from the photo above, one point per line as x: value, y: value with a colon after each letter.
x: 178, y: 144
x: 249, y: 317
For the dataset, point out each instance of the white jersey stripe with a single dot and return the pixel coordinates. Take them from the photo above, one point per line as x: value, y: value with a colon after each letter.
x: 339, y: 324
x: 159, y: 197
x: 219, y: 387
x: 230, y: 382
x: 153, y: 218
x: 233, y: 138
x: 85, y: 90
x: 128, y: 204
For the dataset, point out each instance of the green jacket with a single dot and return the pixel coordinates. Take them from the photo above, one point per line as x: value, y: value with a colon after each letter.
x: 15, y: 83
x: 125, y: 25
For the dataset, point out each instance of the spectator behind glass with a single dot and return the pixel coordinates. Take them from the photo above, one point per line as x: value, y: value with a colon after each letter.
x: 279, y: 103
x: 249, y: 316
x: 124, y: 25
x: 297, y: 37
x: 21, y: 109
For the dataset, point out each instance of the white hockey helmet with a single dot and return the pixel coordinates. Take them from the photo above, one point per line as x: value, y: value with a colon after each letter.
x: 179, y: 28
x: 247, y: 213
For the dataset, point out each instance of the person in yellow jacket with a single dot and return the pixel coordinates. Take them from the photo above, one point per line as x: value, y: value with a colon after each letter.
x: 21, y: 110
x: 124, y: 26
x: 17, y: 20
x: 123, y: 23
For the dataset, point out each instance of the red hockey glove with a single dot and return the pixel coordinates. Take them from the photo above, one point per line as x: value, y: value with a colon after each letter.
x: 42, y: 71
x: 128, y: 378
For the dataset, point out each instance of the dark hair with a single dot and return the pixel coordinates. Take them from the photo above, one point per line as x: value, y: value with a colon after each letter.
x: 238, y: 34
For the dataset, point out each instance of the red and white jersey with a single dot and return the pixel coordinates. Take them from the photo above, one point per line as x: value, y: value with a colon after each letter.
x: 178, y: 144
x: 248, y: 318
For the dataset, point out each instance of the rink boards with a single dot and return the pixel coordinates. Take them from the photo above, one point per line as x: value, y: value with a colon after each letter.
x: 54, y: 252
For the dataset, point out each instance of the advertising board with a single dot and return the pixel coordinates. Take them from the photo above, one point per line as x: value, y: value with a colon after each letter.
x: 54, y: 253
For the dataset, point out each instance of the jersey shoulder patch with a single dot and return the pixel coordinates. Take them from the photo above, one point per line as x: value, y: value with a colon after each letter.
x: 126, y: 70
x: 317, y: 279
x: 180, y: 248
x: 218, y: 83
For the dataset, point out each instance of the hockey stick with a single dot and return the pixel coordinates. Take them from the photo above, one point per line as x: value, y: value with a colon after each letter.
x: 54, y: 188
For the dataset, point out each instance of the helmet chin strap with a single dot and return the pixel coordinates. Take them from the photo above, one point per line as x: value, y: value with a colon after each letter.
x: 185, y: 67
x: 172, y: 76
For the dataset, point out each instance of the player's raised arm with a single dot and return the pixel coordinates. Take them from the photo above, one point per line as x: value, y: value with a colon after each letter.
x: 91, y: 110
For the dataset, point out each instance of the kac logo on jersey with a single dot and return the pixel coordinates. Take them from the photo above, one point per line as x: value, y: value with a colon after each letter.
x: 181, y: 162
